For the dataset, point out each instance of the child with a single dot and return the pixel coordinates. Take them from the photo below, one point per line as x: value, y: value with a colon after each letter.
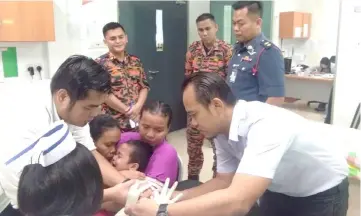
x: 132, y: 155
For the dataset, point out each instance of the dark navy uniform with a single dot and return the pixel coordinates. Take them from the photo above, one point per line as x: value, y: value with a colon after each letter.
x: 256, y: 70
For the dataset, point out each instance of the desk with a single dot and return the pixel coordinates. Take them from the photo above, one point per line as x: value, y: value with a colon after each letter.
x: 308, y: 88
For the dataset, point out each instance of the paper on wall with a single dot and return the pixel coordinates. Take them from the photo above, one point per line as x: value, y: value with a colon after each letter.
x: 227, y: 23
x: 305, y: 30
x: 297, y: 32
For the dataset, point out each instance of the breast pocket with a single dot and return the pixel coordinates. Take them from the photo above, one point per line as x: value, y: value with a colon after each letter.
x: 244, y: 73
x: 117, y: 77
x: 134, y: 75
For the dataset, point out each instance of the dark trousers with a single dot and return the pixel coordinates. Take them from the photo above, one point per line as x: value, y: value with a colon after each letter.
x: 332, y: 202
x: 10, y: 211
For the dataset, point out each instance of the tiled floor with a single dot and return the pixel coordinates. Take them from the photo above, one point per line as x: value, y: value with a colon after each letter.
x: 178, y: 139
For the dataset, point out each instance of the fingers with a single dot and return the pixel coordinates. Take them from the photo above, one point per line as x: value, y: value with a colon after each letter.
x: 165, y: 188
x: 127, y: 184
x: 171, y: 190
x: 176, y: 198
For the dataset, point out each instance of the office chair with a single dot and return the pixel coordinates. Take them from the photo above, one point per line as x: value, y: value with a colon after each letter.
x: 180, y: 169
x: 329, y: 108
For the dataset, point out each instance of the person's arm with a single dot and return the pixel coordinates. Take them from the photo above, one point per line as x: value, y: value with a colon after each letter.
x: 237, y: 199
x: 228, y: 57
x: 271, y: 76
x: 144, y: 88
x: 163, y: 165
x: 254, y: 174
x: 226, y: 167
x: 113, y: 102
x: 221, y: 181
x: 188, y: 64
x: 111, y: 206
x: 143, y: 93
x: 118, y: 193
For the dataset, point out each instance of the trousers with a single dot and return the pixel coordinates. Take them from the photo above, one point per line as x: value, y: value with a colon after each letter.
x: 195, y: 153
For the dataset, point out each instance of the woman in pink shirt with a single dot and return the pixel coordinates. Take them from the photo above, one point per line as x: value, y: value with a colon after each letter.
x: 154, y: 122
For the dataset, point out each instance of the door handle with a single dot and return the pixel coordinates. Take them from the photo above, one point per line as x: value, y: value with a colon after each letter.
x: 153, y: 72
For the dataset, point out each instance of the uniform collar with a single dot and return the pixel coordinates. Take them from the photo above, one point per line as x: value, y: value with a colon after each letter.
x: 215, y: 47
x: 239, y: 126
x: 254, y: 42
x: 113, y: 58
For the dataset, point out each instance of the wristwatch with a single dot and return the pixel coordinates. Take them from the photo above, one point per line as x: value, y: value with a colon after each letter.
x: 162, y: 210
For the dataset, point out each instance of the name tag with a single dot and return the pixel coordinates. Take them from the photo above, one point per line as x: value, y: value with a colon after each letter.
x: 232, y: 77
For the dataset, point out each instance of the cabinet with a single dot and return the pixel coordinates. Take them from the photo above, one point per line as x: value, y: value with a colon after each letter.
x: 295, y: 25
x: 31, y: 21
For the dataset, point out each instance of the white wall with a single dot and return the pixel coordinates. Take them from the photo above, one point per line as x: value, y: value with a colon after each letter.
x: 323, y: 39
x: 347, y: 92
x: 28, y: 54
x: 76, y: 29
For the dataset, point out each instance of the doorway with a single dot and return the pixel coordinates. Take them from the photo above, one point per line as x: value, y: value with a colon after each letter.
x: 157, y: 34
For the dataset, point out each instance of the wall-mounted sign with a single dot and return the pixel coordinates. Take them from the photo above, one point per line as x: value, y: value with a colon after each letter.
x: 180, y: 2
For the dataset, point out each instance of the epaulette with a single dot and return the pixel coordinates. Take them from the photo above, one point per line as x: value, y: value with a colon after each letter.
x: 266, y: 44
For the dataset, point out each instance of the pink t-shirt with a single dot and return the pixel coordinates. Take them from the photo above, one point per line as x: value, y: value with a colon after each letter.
x: 162, y: 164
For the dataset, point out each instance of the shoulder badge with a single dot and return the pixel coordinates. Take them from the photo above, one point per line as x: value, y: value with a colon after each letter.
x: 266, y: 44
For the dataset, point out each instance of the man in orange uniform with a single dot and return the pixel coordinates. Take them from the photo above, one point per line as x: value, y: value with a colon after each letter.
x: 207, y: 55
x: 129, y: 85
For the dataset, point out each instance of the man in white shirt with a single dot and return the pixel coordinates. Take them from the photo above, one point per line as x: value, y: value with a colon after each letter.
x: 74, y: 95
x: 297, y: 165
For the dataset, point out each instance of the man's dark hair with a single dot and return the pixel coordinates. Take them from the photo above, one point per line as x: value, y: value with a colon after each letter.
x: 78, y: 75
x: 205, y: 16
x: 208, y: 86
x: 112, y: 26
x: 333, y: 59
x: 141, y: 153
x: 254, y: 7
x: 326, y: 61
x: 71, y: 186
x: 100, y: 124
x: 158, y: 108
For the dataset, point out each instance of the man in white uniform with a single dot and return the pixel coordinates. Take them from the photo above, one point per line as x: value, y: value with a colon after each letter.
x: 297, y: 165
x: 74, y: 95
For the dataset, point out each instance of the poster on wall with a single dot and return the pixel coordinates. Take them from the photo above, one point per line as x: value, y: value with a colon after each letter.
x: 8, y: 63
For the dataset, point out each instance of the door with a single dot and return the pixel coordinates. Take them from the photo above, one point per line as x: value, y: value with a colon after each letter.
x: 220, y: 10
x: 164, y: 66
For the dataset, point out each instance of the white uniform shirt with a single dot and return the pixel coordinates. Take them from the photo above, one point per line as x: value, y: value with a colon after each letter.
x: 301, y: 157
x: 26, y: 111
